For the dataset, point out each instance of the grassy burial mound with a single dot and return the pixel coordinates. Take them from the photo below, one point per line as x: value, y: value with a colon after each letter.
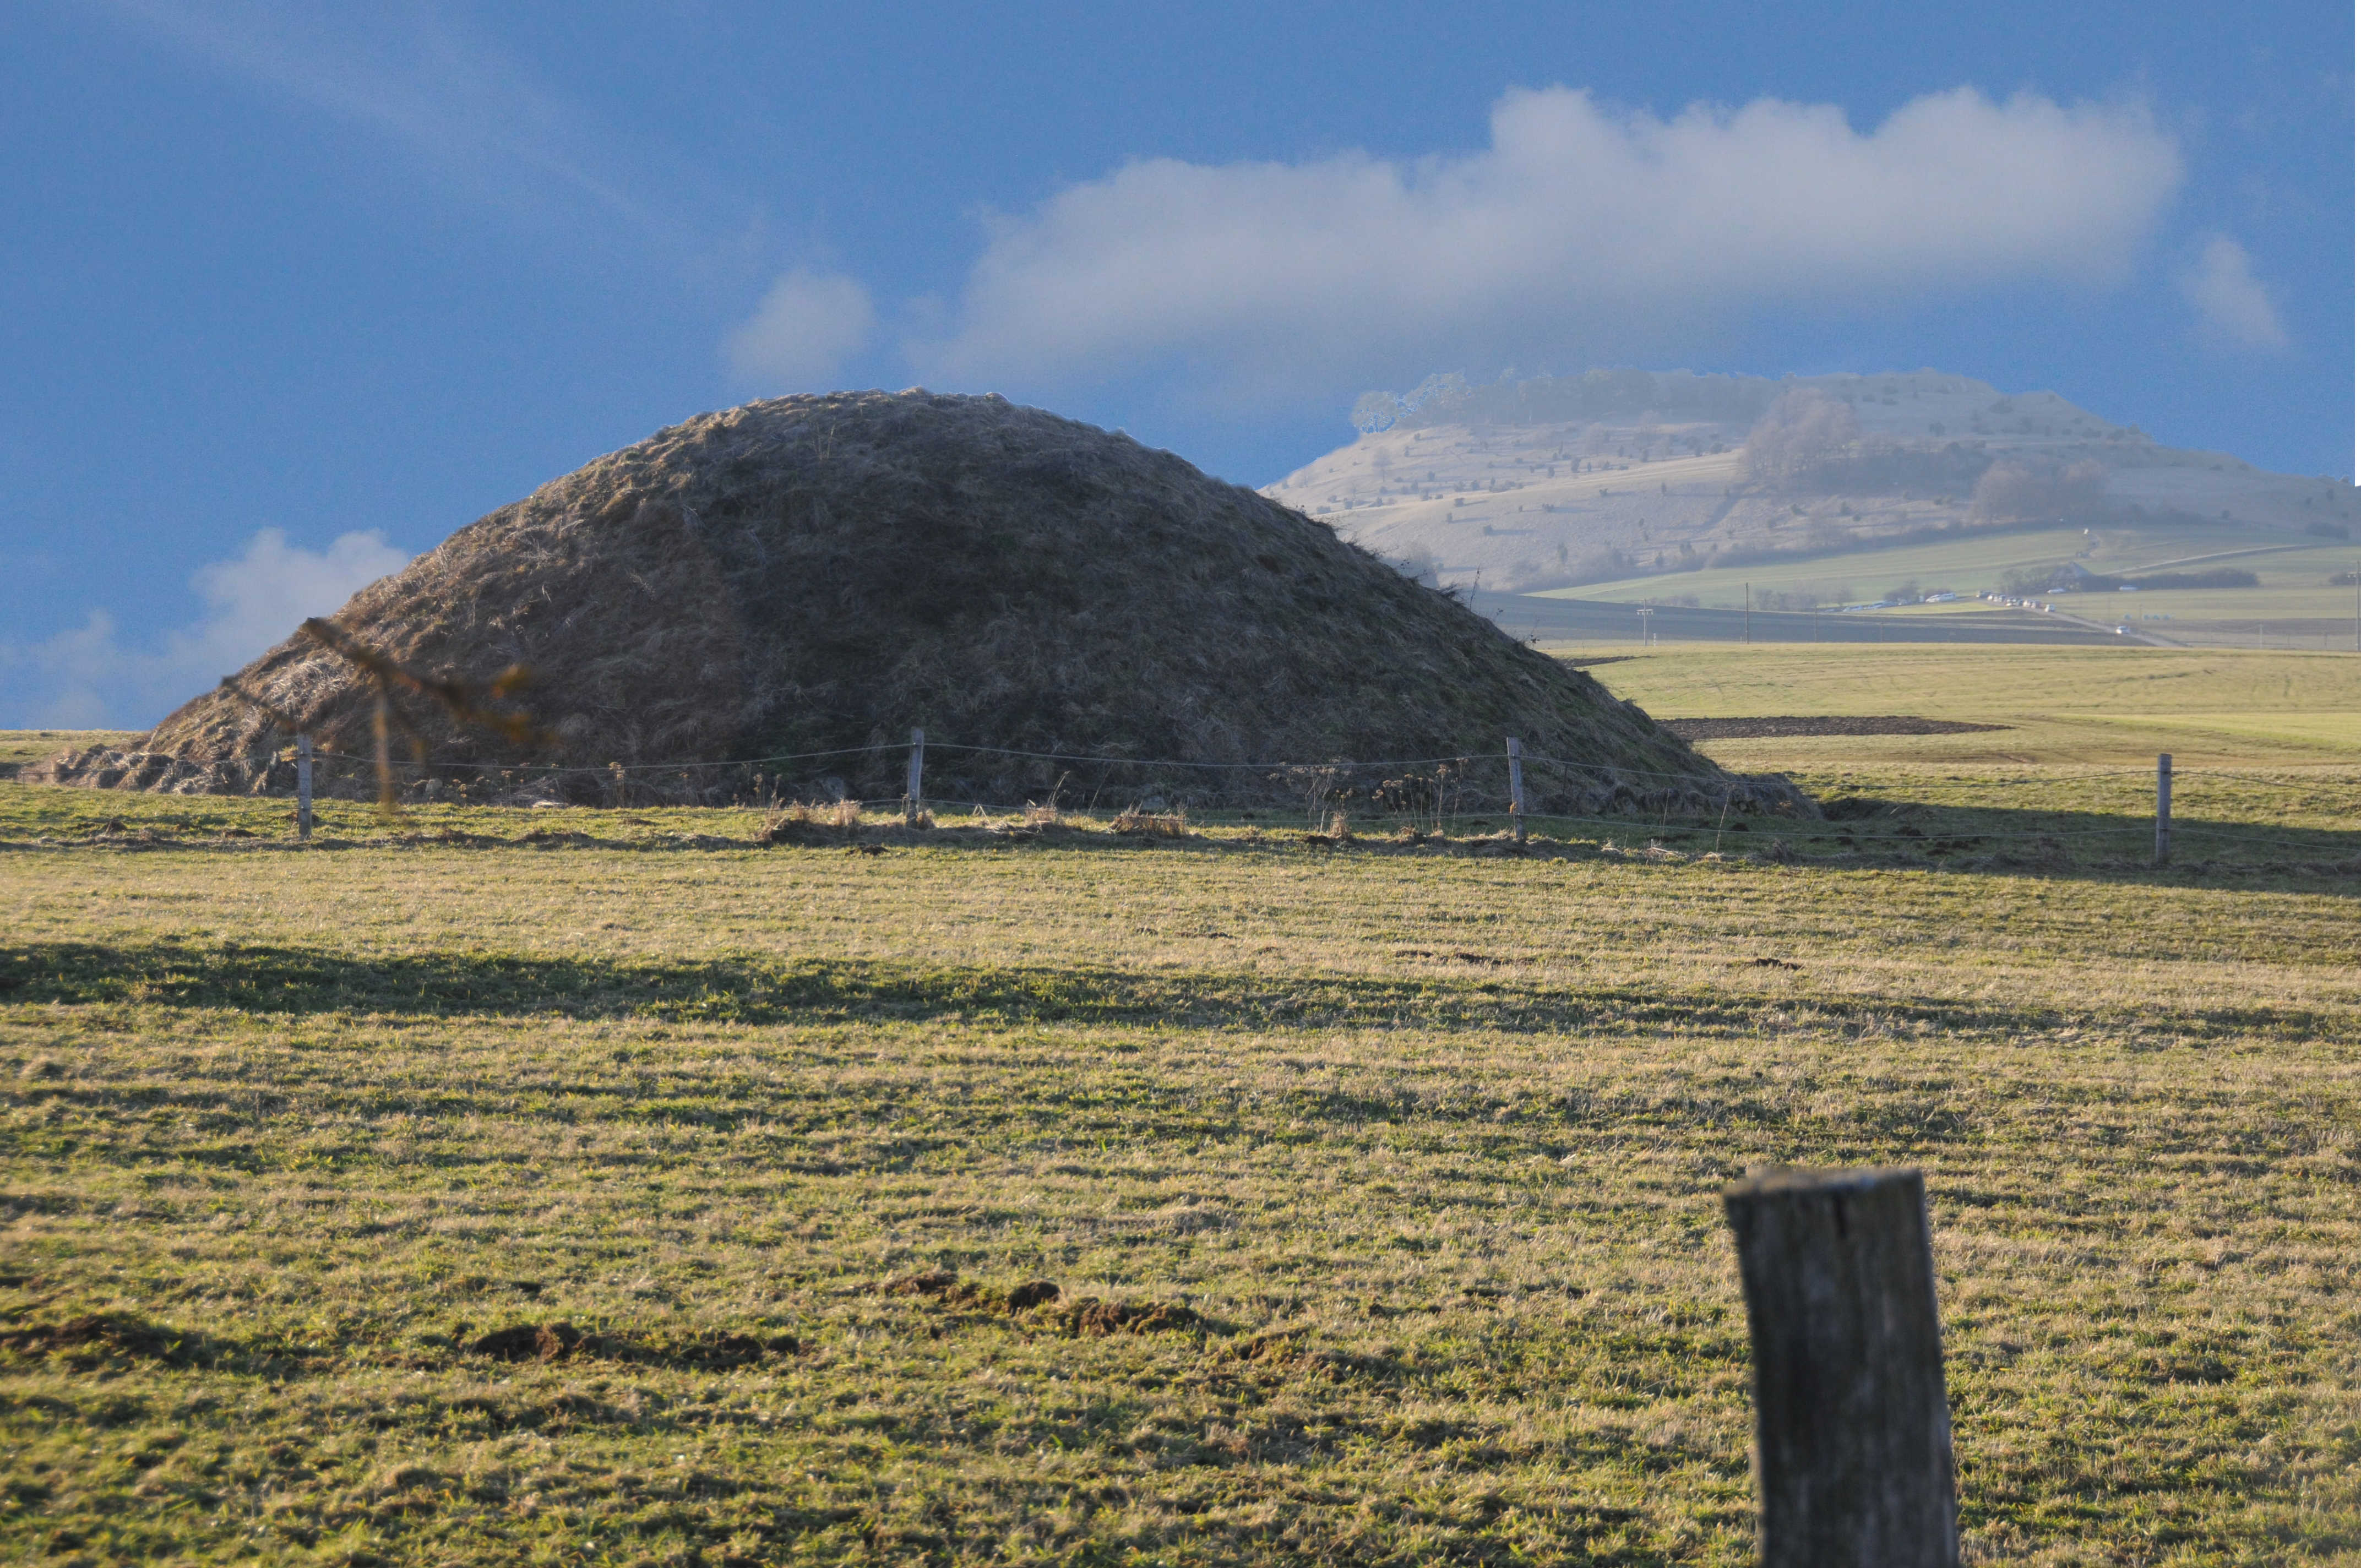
x: 813, y: 573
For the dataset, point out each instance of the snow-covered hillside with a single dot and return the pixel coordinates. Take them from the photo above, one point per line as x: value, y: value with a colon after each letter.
x: 1464, y: 487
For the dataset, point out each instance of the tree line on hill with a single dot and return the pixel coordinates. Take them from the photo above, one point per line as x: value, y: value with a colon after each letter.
x: 1808, y: 443
x: 1801, y: 439
x: 1566, y: 400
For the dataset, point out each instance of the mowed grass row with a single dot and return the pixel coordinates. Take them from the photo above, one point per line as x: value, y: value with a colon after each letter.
x: 1428, y: 1147
x: 2061, y: 711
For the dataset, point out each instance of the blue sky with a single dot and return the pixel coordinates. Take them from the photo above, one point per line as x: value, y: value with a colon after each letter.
x: 289, y: 293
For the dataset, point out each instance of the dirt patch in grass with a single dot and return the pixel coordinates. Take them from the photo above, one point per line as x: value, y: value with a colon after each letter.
x: 1084, y: 1316
x: 529, y: 1342
x: 1461, y: 957
x: 1087, y: 1315
x: 946, y: 1287
x: 563, y: 1342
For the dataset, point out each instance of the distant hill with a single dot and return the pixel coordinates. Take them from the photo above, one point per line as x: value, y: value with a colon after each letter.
x: 1527, y: 485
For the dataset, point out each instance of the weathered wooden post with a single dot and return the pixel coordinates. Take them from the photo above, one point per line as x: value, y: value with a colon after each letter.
x: 388, y: 802
x: 1517, y: 787
x: 303, y: 787
x: 1852, y: 1437
x: 912, y: 795
x: 2163, y: 807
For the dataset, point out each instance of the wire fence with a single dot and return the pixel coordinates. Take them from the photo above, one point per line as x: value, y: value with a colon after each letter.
x: 2214, y: 812
x: 1417, y: 795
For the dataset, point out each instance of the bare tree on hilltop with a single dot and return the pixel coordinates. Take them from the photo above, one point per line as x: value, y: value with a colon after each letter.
x: 1803, y: 431
x: 2030, y: 491
x: 1451, y: 399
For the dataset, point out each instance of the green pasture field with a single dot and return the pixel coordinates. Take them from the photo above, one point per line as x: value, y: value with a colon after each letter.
x: 2062, y: 712
x: 1378, y: 1181
x: 2294, y: 578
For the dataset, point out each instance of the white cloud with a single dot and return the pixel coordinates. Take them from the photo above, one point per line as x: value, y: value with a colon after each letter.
x: 261, y: 596
x: 803, y: 331
x: 2230, y: 301
x: 1574, y: 229
x: 88, y: 678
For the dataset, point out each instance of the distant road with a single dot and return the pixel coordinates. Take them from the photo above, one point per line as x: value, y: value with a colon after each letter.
x: 1596, y: 621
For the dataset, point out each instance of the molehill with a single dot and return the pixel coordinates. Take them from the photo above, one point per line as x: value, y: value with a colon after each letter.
x: 807, y: 574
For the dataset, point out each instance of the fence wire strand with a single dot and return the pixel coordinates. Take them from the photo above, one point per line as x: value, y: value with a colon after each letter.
x: 1801, y: 828
x: 469, y: 703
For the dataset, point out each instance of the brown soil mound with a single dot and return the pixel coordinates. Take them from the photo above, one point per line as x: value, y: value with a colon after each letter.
x: 813, y: 573
x: 560, y: 1341
x: 1762, y: 728
x: 1083, y: 1315
x: 1091, y: 1317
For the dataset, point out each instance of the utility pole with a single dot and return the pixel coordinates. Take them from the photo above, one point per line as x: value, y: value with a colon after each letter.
x: 1750, y: 612
x: 1644, y: 614
x: 1517, y: 786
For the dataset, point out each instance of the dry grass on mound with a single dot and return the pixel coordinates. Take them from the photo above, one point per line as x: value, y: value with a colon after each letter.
x: 814, y: 575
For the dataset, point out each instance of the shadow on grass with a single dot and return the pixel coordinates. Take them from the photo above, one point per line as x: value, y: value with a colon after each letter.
x: 1883, y: 832
x: 758, y: 990
x: 1859, y: 831
x: 123, y: 1340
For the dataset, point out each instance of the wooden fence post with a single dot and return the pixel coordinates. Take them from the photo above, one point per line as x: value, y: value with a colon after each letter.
x: 1852, y: 1437
x: 303, y: 787
x: 914, y: 795
x: 387, y: 801
x: 2163, y: 807
x: 1517, y: 787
